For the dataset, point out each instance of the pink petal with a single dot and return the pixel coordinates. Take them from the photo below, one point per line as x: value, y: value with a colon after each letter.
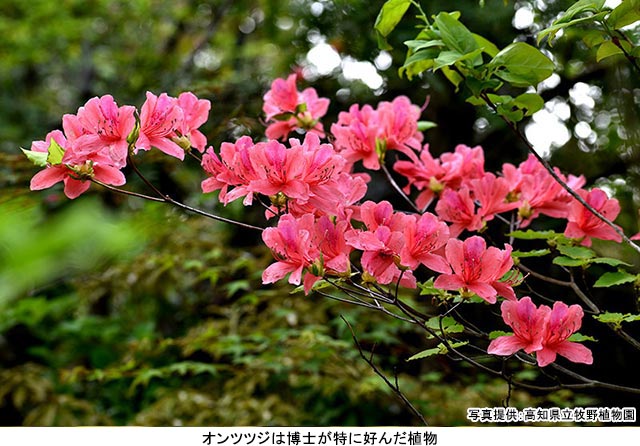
x: 448, y: 282
x: 109, y: 175
x: 167, y: 146
x: 574, y: 352
x: 74, y: 188
x: 484, y: 290
x: 545, y: 357
x: 435, y: 263
x: 48, y: 177
x: 504, y: 290
x: 309, y: 281
x: 276, y: 271
x: 454, y: 254
x: 506, y: 345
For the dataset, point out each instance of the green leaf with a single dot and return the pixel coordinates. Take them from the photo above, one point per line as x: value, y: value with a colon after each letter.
x: 419, y: 62
x: 427, y: 289
x: 497, y: 333
x: 522, y: 65
x: 576, y: 252
x: 568, y: 261
x: 426, y: 125
x: 553, y: 29
x: 449, y: 324
x: 529, y: 103
x: 512, y: 113
x: 55, y: 153
x: 478, y: 86
x: 453, y: 76
x: 37, y: 158
x: 441, y: 349
x: 615, y: 278
x: 580, y: 7
x: 388, y: 18
x: 567, y: 19
x: 534, y: 253
x: 530, y: 234
x: 609, y: 261
x: 616, y: 319
x: 447, y: 58
x: 593, y: 37
x: 417, y: 45
x: 579, y: 337
x: 607, y: 49
x: 454, y: 34
x: 624, y: 14
x: 487, y: 46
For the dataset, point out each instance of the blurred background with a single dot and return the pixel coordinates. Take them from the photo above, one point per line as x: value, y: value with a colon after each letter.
x: 115, y: 311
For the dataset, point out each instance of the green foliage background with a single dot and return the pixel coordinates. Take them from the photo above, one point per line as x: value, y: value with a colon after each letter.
x: 114, y: 311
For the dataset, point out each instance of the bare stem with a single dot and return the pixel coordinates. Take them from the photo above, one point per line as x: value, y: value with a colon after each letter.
x: 395, y: 387
x: 398, y: 189
x: 167, y: 199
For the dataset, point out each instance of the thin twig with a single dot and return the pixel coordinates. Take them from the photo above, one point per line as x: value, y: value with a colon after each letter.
x: 586, y: 300
x: 168, y: 199
x: 555, y: 176
x: 395, y: 387
x: 397, y: 188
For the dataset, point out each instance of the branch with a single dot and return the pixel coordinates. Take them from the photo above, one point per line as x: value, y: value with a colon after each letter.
x: 395, y: 387
x: 586, y: 300
x: 167, y: 199
x: 398, y: 189
x: 555, y: 176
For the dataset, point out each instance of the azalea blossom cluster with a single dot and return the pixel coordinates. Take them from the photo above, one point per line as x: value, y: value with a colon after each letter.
x: 287, y: 109
x: 96, y: 142
x: 315, y: 193
x: 541, y: 330
x: 468, y: 197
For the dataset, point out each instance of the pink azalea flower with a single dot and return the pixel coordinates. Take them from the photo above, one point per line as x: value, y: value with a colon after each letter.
x: 477, y: 269
x: 74, y: 171
x: 584, y: 225
x: 234, y: 168
x: 101, y: 127
x: 292, y: 245
x: 336, y: 197
x: 490, y: 192
x: 562, y: 322
x: 315, y: 247
x: 281, y: 98
x: 399, y: 125
x: 321, y: 162
x: 288, y: 109
x: 459, y: 208
x: 381, y: 255
x: 528, y: 324
x: 332, y: 244
x: 160, y: 117
x: 423, y: 236
x: 431, y: 175
x: 541, y: 330
x: 374, y: 215
x: 537, y: 192
x: 355, y: 136
x: 366, y: 134
x: 278, y: 170
x: 195, y: 113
